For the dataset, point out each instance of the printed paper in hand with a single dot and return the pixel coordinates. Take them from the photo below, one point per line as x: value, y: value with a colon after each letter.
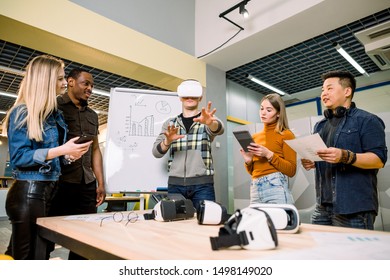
x: 307, y: 147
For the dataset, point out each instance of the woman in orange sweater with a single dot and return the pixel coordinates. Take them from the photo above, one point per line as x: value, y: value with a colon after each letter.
x: 270, y: 160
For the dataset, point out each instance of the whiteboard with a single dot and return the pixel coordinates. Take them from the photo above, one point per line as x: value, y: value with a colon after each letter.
x: 135, y: 118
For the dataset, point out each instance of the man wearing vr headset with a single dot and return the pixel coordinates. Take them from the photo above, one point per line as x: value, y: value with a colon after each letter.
x: 187, y: 137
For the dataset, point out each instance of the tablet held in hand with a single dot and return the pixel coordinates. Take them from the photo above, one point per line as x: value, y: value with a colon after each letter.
x: 244, y: 138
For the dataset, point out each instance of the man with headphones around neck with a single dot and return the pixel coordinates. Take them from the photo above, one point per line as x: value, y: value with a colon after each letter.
x: 187, y: 139
x: 346, y: 179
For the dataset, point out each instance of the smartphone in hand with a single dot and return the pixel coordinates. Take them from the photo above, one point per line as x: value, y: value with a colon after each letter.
x: 84, y: 138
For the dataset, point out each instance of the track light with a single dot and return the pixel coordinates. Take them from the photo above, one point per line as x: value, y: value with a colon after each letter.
x: 350, y: 59
x: 260, y: 82
x: 242, y: 11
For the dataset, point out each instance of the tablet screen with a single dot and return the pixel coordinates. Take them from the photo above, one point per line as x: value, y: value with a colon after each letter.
x: 244, y: 138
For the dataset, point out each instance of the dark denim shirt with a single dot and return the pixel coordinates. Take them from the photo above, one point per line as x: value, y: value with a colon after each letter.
x: 28, y: 157
x: 354, y: 189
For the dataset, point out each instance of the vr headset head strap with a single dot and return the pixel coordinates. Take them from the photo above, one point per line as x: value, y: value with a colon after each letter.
x: 228, y: 240
x: 228, y: 235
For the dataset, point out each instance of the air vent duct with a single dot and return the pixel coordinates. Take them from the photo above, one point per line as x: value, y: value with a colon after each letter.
x: 376, y: 41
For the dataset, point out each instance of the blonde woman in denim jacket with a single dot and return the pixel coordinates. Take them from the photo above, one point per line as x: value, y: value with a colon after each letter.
x: 36, y: 132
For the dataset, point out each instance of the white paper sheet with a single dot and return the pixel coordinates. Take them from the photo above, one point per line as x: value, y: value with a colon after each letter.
x: 307, y: 147
x: 342, y: 246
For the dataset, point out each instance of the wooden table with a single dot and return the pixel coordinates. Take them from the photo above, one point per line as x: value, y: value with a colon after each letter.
x: 186, y: 239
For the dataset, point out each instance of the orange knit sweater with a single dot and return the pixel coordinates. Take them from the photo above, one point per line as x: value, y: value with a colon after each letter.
x: 284, y: 159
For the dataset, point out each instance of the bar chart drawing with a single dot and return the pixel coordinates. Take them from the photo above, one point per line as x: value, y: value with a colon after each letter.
x: 144, y: 127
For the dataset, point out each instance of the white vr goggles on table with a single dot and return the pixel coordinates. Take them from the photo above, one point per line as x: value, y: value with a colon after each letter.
x: 285, y: 217
x: 211, y: 213
x: 190, y: 88
x: 250, y: 229
x: 256, y: 227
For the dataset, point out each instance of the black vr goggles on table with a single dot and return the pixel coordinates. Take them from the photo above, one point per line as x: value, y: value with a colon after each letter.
x: 171, y: 208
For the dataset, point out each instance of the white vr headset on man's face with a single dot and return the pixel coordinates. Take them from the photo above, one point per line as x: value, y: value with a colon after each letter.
x: 190, y: 88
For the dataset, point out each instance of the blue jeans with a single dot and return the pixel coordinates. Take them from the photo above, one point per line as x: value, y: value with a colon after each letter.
x: 323, y: 215
x: 196, y: 193
x: 272, y: 188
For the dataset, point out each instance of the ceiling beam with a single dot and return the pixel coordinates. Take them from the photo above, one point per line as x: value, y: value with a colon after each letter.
x: 113, y: 48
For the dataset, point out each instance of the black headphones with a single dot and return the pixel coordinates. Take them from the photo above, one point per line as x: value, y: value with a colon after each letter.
x: 340, y: 111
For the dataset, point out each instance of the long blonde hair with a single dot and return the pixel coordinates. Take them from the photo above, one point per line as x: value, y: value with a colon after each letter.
x: 278, y: 103
x: 37, y: 92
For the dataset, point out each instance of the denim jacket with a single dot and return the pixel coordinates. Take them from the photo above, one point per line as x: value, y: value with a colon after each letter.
x: 28, y: 157
x: 354, y: 189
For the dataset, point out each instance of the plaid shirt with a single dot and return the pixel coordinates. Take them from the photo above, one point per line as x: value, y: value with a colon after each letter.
x: 196, y: 139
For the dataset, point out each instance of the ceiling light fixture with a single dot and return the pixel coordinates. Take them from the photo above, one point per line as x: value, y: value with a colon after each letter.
x: 101, y: 92
x: 11, y: 70
x: 242, y: 11
x: 101, y: 112
x: 12, y: 95
x: 350, y: 59
x: 260, y: 82
x: 95, y: 91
